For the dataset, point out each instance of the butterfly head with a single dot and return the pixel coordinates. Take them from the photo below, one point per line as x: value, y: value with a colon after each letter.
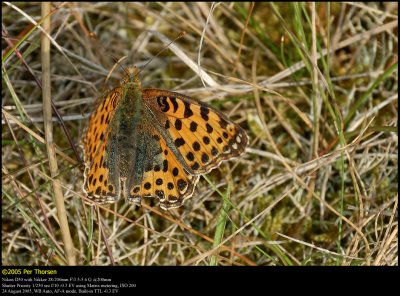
x: 132, y: 77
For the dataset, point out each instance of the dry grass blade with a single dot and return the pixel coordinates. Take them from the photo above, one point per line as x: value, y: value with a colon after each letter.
x: 48, y: 127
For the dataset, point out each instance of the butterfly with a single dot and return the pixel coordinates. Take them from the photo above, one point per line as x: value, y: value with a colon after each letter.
x: 153, y: 143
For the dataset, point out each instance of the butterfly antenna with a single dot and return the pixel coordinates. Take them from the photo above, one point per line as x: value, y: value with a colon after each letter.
x: 180, y: 35
x: 116, y: 61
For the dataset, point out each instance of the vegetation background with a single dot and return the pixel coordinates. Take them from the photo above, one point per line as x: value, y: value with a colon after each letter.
x: 314, y: 85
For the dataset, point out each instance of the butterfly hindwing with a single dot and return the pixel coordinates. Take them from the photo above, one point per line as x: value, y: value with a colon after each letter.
x: 164, y: 177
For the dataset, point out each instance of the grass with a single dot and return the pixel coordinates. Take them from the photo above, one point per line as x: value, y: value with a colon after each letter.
x: 314, y: 85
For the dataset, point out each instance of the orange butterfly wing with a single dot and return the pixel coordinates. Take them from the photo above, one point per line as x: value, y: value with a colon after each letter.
x: 203, y: 136
x: 97, y: 184
x: 164, y: 177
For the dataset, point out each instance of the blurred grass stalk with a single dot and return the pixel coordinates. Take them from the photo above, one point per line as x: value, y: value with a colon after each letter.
x: 48, y: 127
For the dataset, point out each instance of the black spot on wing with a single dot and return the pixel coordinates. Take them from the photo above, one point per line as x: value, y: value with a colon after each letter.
x: 175, y: 172
x: 193, y: 126
x: 174, y: 103
x: 214, y: 151
x: 160, y: 194
x: 209, y: 128
x: 182, y: 184
x: 195, y: 166
x: 179, y: 142
x: 165, y: 165
x: 178, y: 124
x: 163, y: 104
x: 204, y: 112
x: 196, y: 146
x: 188, y: 112
x: 204, y: 158
x: 190, y: 156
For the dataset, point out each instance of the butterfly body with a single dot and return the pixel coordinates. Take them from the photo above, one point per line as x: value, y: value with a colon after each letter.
x: 154, y: 143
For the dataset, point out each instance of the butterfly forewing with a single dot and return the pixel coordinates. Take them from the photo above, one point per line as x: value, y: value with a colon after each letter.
x: 203, y: 136
x: 98, y: 184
